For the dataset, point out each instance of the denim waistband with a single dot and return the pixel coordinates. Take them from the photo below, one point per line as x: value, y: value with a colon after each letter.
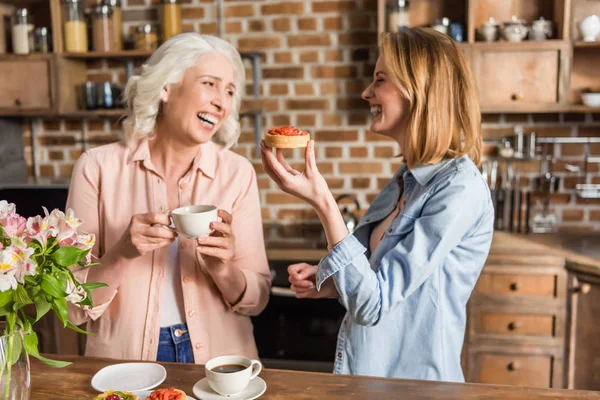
x: 177, y: 333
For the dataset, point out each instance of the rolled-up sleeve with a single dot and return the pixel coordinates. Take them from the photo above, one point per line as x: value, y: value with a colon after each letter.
x: 83, y: 199
x: 453, y: 208
x: 250, y: 255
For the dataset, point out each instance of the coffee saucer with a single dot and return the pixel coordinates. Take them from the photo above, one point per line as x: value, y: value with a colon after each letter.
x: 255, y: 388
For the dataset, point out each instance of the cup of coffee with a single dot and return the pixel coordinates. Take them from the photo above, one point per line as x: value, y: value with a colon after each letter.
x: 193, y: 221
x: 230, y: 375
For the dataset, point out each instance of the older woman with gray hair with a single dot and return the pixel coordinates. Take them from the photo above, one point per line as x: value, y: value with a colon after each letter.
x: 171, y: 298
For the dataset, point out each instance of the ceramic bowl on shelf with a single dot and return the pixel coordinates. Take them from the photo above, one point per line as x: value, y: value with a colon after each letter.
x: 591, y: 99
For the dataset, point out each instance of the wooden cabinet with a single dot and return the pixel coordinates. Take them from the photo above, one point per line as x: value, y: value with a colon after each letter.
x: 584, y: 332
x: 25, y: 84
x: 524, y: 77
x: 38, y: 84
x: 515, y: 369
x: 531, y: 78
x: 516, y: 322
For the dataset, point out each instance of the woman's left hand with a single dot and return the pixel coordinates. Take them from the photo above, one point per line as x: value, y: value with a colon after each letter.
x: 220, y: 244
x: 309, y: 185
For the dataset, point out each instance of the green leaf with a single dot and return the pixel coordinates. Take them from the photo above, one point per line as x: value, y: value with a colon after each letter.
x: 68, y: 255
x: 31, y: 346
x: 61, y: 309
x: 53, y: 286
x: 6, y: 297
x: 52, y: 363
x: 6, y: 310
x: 21, y: 295
x: 17, y: 347
x: 93, y: 285
x: 41, y: 307
x: 30, y: 341
x: 77, y: 329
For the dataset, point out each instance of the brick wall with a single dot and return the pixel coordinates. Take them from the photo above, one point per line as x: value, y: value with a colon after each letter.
x: 317, y: 62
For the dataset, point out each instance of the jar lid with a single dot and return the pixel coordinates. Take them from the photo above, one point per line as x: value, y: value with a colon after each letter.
x: 102, y: 9
x: 43, y: 31
x: 146, y: 28
x: 112, y: 3
x: 21, y: 12
x: 169, y: 1
x: 72, y: 1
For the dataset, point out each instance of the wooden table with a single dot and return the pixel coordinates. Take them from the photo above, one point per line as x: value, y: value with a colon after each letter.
x: 73, y: 382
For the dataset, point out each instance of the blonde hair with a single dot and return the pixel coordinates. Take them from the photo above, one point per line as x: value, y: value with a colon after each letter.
x: 434, y: 77
x: 167, y: 66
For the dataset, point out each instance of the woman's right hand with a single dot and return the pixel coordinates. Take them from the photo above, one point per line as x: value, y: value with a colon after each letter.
x: 303, y: 278
x: 144, y: 234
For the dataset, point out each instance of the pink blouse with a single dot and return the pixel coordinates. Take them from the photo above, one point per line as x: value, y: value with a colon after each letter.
x: 112, y: 183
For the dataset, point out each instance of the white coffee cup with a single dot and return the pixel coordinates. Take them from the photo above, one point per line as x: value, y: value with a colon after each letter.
x: 193, y: 221
x: 231, y: 383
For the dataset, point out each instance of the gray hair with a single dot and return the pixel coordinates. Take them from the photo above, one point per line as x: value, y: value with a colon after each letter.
x: 167, y: 66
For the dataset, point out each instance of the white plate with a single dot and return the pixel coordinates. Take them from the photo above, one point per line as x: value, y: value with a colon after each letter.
x: 142, y: 394
x: 255, y: 389
x: 129, y: 377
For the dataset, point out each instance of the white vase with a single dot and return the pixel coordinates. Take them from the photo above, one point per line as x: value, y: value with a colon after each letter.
x: 14, y: 368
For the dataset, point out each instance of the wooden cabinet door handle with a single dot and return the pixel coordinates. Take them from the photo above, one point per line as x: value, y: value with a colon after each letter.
x: 514, y: 286
x: 584, y: 288
x: 512, y: 326
x: 18, y: 102
x: 512, y: 366
x: 516, y: 96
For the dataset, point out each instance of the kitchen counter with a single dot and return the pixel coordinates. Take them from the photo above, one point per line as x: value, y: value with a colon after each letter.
x: 552, y: 248
x: 73, y: 382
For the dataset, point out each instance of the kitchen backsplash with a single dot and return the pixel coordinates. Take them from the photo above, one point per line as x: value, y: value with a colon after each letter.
x: 318, y: 59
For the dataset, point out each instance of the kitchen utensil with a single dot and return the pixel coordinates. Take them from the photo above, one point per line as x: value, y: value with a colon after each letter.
x: 547, y: 183
x: 106, y: 98
x: 541, y: 29
x: 519, y: 202
x: 590, y: 28
x: 87, y: 96
x: 591, y: 99
x: 349, y: 219
x: 489, y: 30
x: 457, y: 32
x: 527, y: 210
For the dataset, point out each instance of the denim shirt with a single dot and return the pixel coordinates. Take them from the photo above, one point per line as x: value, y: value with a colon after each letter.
x: 406, y: 302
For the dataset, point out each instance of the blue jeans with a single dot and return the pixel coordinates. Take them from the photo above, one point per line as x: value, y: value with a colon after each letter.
x: 174, y: 345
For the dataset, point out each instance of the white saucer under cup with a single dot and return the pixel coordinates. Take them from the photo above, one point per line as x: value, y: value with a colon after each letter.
x: 256, y: 388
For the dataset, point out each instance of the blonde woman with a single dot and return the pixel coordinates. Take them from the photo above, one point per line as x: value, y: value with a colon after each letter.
x: 170, y: 298
x: 406, y: 273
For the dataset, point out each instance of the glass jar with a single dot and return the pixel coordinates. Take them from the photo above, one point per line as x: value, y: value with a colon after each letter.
x: 146, y: 37
x: 22, y: 32
x: 103, y: 29
x: 42, y: 40
x: 398, y: 16
x: 170, y: 19
x: 74, y: 26
x: 117, y: 22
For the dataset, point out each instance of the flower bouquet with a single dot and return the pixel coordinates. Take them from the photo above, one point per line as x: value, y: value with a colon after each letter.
x: 36, y: 256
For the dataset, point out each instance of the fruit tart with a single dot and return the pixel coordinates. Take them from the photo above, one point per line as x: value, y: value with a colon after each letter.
x: 286, y: 137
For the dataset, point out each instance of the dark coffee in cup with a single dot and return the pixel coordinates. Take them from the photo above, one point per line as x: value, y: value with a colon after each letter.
x: 228, y: 368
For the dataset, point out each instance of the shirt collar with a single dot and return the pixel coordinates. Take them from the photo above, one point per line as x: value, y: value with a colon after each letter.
x: 205, y: 160
x: 424, y: 173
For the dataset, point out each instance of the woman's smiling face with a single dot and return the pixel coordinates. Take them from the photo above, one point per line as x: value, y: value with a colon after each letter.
x: 389, y: 108
x: 196, y: 108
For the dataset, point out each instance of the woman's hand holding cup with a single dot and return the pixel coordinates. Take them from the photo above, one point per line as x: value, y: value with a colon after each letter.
x: 144, y: 234
x: 220, y: 244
